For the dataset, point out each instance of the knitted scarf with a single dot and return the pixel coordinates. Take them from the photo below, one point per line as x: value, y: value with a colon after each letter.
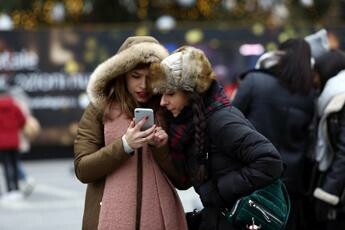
x: 181, y: 128
x: 161, y: 206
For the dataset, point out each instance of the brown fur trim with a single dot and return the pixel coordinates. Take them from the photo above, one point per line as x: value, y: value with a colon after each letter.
x: 157, y: 79
x: 119, y: 64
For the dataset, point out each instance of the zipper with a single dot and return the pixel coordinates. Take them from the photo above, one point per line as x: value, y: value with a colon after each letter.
x: 267, y: 215
x: 225, y: 211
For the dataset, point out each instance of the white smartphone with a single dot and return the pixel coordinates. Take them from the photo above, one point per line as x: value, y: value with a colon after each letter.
x: 140, y: 113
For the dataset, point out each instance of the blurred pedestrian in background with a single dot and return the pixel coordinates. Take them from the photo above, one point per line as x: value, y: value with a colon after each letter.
x: 12, y: 120
x: 218, y: 150
x: 125, y: 168
x: 330, y: 147
x: 28, y: 133
x: 278, y: 99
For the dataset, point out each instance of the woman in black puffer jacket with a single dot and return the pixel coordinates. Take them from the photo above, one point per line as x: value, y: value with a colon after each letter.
x: 214, y: 146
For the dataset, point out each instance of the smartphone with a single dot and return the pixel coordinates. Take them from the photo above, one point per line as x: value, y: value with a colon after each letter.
x: 141, y: 113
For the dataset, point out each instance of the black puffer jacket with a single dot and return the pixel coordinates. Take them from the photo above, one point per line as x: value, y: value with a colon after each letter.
x: 240, y: 161
x: 280, y: 116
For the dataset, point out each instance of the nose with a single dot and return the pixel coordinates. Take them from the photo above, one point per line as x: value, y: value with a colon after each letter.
x: 163, y: 101
x: 143, y: 82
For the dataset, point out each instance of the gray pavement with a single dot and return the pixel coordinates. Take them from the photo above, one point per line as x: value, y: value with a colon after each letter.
x: 57, y: 200
x: 55, y: 204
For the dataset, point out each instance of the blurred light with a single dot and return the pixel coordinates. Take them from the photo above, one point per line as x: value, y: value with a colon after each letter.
x: 83, y: 100
x: 229, y: 4
x: 283, y: 36
x: 58, y: 12
x: 186, y: 3
x: 258, y: 29
x: 265, y: 4
x: 280, y: 13
x: 194, y: 36
x: 166, y: 23
x: 251, y: 49
x: 71, y: 67
x: 307, y: 3
x: 271, y: 46
x: 5, y: 22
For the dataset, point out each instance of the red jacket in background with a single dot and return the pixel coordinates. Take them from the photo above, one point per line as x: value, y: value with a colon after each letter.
x: 12, y: 120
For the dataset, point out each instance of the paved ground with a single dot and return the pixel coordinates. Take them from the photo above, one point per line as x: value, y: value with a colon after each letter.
x: 57, y: 201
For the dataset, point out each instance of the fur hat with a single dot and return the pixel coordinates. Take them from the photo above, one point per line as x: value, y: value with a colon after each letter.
x: 186, y: 69
x: 135, y: 50
x: 318, y: 43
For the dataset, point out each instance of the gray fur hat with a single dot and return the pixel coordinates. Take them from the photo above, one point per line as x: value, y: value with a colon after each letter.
x: 135, y: 50
x: 187, y: 69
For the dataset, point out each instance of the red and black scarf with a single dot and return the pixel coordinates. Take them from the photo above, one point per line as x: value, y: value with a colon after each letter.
x: 181, y: 128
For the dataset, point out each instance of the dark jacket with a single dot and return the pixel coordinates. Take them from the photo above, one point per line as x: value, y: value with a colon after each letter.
x: 240, y: 161
x: 330, y: 149
x: 334, y: 182
x: 280, y: 116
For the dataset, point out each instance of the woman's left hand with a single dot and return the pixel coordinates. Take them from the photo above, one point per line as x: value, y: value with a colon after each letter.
x: 160, y: 138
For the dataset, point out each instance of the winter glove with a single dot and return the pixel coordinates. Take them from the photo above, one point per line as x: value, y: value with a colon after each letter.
x: 324, y: 211
x: 210, y: 196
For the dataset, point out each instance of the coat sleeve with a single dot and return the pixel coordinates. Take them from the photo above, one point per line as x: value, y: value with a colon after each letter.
x: 260, y: 162
x: 92, y: 159
x: 243, y: 95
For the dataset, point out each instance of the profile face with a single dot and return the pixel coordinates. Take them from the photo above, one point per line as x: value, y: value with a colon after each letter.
x: 175, y: 101
x: 137, y: 85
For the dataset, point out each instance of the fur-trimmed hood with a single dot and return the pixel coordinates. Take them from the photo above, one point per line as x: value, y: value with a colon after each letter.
x: 135, y: 50
x: 186, y: 69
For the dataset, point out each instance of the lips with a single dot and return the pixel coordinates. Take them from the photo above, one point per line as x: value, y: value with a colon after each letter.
x: 142, y: 94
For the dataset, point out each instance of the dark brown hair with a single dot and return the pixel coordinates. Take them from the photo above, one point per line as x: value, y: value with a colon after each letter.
x: 294, y: 69
x: 199, y: 121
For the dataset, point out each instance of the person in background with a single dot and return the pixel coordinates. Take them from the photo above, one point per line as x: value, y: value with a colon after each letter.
x: 329, y: 193
x: 12, y: 120
x: 219, y: 152
x: 29, y: 132
x: 278, y: 99
x: 127, y: 170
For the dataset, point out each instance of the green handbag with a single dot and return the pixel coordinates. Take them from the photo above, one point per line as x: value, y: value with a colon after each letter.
x: 267, y: 208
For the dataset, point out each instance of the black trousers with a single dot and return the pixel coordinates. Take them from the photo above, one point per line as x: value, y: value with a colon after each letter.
x: 10, y: 160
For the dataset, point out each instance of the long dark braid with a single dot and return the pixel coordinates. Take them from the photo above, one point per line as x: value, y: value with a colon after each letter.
x: 199, y: 121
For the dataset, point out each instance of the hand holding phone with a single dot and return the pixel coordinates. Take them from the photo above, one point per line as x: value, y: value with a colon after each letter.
x: 141, y: 113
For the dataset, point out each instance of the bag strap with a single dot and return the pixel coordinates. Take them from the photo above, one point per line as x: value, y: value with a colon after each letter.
x: 139, y: 187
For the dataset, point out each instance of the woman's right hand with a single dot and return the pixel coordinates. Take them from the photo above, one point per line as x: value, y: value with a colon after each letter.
x: 137, y: 138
